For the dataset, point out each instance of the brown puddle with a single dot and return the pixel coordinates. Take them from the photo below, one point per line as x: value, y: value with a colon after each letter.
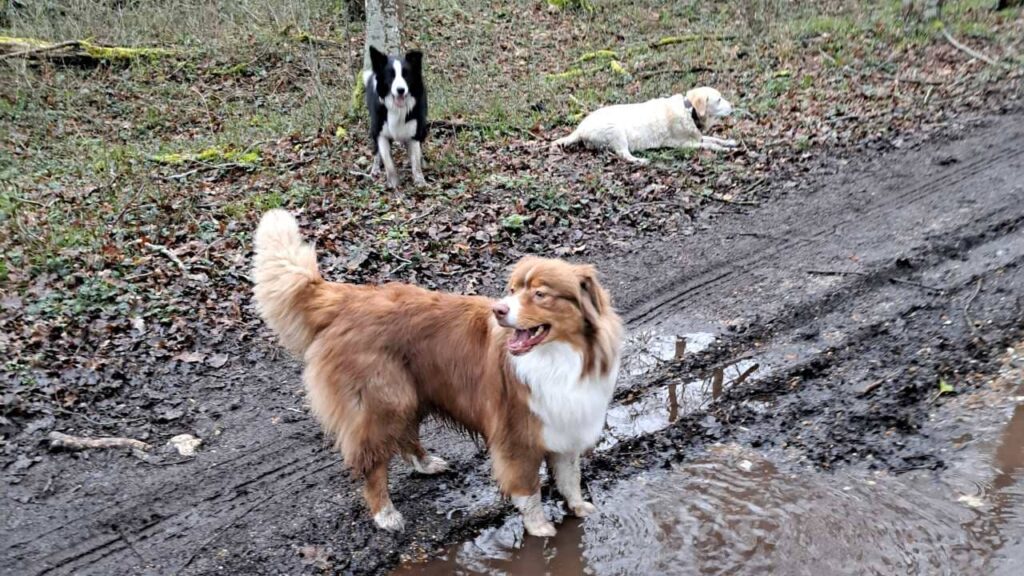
x: 737, y: 511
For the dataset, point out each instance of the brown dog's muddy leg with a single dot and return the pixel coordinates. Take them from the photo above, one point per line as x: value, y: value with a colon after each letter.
x: 518, y: 475
x: 379, y: 500
x: 566, y: 470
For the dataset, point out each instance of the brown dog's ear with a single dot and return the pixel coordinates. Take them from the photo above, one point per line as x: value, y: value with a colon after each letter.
x: 593, y: 299
x: 699, y: 101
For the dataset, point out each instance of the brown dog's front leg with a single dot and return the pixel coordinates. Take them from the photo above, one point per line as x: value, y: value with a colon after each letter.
x: 518, y: 475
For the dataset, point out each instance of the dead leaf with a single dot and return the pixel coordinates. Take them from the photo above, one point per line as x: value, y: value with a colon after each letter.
x: 189, y: 357
x: 217, y: 360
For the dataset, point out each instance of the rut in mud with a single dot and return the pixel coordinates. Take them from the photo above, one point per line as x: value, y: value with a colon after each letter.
x: 854, y: 296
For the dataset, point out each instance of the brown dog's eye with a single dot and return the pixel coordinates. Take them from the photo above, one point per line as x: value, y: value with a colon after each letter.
x: 539, y: 294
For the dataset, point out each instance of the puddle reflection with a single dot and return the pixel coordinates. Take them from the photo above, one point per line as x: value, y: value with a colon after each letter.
x: 654, y: 409
x: 645, y: 350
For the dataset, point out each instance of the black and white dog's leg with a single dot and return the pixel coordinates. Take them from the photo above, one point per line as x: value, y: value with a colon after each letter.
x: 375, y: 169
x: 415, y: 150
x: 384, y: 153
x: 566, y: 470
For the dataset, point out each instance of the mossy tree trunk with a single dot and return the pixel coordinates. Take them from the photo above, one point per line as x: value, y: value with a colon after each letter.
x: 930, y: 10
x: 383, y: 28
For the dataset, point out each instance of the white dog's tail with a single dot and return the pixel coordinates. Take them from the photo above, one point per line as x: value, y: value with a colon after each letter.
x: 286, y: 278
x: 566, y: 141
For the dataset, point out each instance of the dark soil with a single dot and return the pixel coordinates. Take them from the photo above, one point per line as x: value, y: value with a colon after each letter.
x: 860, y: 289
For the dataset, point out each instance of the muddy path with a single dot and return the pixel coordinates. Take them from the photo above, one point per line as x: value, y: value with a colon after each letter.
x: 844, y: 304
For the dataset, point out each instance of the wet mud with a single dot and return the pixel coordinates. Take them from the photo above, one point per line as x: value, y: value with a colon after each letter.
x: 817, y: 375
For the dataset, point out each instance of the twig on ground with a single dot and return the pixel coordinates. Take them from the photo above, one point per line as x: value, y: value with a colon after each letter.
x: 664, y: 71
x: 42, y: 49
x: 967, y: 307
x: 171, y: 463
x: 835, y: 273
x: 906, y: 80
x: 727, y: 201
x: 968, y: 50
x: 874, y: 385
x: 240, y: 276
x: 207, y: 167
x: 746, y: 374
x: 641, y: 205
x: 916, y: 284
x: 32, y: 202
x: 425, y: 213
x: 164, y: 251
x: 60, y: 440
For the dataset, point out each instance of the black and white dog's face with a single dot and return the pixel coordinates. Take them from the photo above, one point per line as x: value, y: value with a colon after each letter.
x: 397, y: 79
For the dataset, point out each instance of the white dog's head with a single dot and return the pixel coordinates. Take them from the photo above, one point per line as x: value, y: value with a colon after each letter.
x: 707, y: 104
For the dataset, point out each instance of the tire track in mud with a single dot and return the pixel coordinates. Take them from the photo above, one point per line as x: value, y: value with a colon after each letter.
x: 675, y: 293
x: 290, y: 491
x: 282, y: 465
x: 858, y: 296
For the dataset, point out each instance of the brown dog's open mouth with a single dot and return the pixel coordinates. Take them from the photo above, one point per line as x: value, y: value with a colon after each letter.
x: 522, y: 341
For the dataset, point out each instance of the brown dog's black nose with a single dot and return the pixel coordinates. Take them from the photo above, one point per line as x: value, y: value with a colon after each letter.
x: 500, y: 309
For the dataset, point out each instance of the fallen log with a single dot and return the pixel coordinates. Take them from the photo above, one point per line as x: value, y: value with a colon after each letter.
x: 77, y: 51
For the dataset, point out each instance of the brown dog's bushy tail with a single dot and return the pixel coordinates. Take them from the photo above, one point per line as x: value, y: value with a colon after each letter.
x: 285, y: 274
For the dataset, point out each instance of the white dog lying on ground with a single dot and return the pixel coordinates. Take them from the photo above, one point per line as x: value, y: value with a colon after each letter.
x: 674, y: 122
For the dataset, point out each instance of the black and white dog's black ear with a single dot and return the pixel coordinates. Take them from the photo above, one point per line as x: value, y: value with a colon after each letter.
x: 415, y: 60
x: 378, y: 59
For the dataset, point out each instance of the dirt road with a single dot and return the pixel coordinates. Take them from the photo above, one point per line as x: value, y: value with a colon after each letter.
x: 854, y: 294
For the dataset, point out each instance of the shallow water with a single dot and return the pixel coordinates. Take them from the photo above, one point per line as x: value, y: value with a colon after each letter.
x: 728, y: 514
x: 737, y: 511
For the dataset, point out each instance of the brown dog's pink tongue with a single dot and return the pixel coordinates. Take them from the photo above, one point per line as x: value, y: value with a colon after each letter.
x: 521, y: 337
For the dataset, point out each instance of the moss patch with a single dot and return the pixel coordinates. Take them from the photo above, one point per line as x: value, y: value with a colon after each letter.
x: 214, y: 154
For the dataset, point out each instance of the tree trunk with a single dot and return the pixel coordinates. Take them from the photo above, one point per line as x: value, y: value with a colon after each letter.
x: 383, y: 28
x: 932, y: 10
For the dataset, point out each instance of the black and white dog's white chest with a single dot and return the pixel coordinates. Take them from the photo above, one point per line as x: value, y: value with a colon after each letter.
x: 399, y: 125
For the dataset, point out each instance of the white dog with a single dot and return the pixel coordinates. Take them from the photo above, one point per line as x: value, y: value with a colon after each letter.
x: 674, y: 122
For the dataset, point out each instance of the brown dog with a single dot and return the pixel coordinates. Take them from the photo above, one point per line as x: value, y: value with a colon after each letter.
x: 532, y: 374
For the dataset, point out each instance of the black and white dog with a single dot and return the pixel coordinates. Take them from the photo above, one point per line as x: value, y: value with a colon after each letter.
x: 396, y: 97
